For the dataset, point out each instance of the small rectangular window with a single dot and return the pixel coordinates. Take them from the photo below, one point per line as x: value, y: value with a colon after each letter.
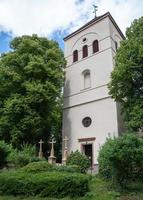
x: 95, y: 46
x: 75, y: 56
x: 84, y: 51
x: 87, y: 80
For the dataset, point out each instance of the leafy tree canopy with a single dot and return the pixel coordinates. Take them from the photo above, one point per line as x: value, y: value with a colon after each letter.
x: 31, y: 79
x: 121, y: 159
x: 126, y: 84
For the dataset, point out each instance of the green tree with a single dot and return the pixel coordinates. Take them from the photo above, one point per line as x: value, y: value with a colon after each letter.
x: 121, y: 159
x: 126, y: 84
x: 5, y: 150
x: 31, y: 80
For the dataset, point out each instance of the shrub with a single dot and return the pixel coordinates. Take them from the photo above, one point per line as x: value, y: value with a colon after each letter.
x: 76, y: 158
x: 5, y: 149
x: 121, y: 159
x: 22, y: 157
x: 67, y: 168
x: 45, y: 184
x: 34, y: 167
x: 44, y: 166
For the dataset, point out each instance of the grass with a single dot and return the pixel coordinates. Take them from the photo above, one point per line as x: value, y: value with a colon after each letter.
x: 100, y: 190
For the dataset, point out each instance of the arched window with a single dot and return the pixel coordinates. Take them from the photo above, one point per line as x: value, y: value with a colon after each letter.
x: 75, y: 55
x: 84, y: 51
x: 116, y: 45
x: 95, y: 46
x: 86, y: 79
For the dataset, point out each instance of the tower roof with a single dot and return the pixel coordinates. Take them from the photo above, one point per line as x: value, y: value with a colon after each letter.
x: 93, y: 21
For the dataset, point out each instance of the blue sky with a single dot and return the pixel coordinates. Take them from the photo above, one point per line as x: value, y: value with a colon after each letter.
x: 56, y: 19
x: 5, y: 38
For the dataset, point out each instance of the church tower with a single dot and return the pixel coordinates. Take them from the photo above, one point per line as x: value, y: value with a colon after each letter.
x: 90, y: 116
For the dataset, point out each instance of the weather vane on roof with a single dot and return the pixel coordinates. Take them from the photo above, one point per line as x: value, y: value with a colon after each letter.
x: 95, y: 10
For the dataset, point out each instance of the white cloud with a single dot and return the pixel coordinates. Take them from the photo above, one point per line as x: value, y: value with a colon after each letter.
x: 46, y: 16
x: 123, y: 11
x: 41, y: 16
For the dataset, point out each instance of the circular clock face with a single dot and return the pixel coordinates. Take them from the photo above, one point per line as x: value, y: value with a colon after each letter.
x: 86, y: 121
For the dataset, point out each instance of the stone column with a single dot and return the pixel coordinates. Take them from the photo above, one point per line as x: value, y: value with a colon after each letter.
x: 40, y: 155
x: 52, y: 158
x: 65, y: 154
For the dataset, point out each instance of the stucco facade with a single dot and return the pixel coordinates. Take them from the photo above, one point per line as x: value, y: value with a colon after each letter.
x: 94, y: 101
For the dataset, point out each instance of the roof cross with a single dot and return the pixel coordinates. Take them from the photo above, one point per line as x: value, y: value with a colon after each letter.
x: 95, y: 10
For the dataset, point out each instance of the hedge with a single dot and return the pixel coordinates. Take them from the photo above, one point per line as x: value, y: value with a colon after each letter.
x: 44, y: 184
x: 44, y: 166
x: 34, y: 167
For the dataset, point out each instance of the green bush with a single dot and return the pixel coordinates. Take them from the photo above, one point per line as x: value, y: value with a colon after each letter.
x: 44, y: 166
x: 5, y: 149
x: 20, y: 158
x: 67, y: 168
x: 80, y: 160
x: 121, y: 159
x: 34, y: 167
x: 45, y: 184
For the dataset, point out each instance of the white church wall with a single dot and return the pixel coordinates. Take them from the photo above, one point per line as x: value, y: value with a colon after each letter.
x: 86, y: 96
x: 93, y: 101
x: 100, y: 65
x: 104, y: 44
x: 100, y: 30
x: 104, y: 123
x: 115, y: 36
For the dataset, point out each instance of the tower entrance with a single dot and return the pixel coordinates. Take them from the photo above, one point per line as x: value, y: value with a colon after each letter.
x: 88, y: 151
